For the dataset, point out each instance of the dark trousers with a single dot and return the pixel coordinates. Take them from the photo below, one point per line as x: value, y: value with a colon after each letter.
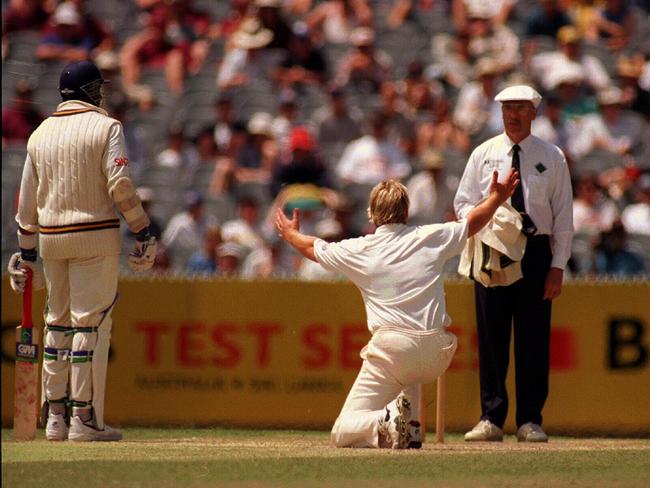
x: 521, y: 304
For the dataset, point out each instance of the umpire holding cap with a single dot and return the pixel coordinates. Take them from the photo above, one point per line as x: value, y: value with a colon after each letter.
x: 544, y: 200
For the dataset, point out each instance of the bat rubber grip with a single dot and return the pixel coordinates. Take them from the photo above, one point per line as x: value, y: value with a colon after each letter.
x: 27, y: 300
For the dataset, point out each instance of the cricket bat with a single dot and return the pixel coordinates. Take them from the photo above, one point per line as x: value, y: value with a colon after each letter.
x: 440, y: 409
x: 26, y: 397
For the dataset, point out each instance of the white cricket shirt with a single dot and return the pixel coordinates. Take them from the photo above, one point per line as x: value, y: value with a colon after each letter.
x: 546, y: 186
x: 398, y: 271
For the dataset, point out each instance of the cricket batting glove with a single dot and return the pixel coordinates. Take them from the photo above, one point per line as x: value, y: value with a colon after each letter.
x: 142, y: 257
x: 18, y: 277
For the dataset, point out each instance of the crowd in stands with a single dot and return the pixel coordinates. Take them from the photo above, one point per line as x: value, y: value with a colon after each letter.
x: 232, y: 109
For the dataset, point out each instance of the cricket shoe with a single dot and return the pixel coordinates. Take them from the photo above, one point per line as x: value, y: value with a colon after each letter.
x: 56, y: 428
x: 415, y: 441
x: 530, y: 432
x: 81, y: 432
x: 397, y: 431
x: 485, y: 431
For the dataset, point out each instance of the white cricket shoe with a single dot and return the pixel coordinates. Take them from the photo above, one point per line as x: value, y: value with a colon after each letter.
x: 485, y: 431
x: 530, y: 432
x: 86, y: 433
x: 56, y: 429
x: 397, y: 431
x: 415, y: 441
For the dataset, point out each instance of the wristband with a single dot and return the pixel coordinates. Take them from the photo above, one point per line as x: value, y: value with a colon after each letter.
x: 143, y: 235
x: 28, y: 254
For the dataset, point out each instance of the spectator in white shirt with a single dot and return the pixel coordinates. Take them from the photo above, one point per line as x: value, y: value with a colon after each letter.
x: 246, y: 60
x: 373, y: 158
x: 430, y: 197
x: 543, y: 65
x: 593, y: 211
x: 611, y: 129
x: 184, y: 234
x: 476, y: 109
x: 636, y: 216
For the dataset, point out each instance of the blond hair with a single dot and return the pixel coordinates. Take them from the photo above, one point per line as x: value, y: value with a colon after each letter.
x: 389, y: 203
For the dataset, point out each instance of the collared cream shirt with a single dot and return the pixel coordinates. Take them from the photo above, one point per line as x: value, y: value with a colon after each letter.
x: 398, y: 271
x: 546, y: 186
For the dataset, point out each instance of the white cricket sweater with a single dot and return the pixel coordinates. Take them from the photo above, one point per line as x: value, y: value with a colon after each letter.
x: 73, y: 160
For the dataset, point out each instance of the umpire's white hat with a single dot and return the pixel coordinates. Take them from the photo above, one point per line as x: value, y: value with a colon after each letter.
x: 519, y: 92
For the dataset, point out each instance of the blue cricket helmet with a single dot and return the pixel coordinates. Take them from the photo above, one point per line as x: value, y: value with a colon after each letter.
x: 81, y: 81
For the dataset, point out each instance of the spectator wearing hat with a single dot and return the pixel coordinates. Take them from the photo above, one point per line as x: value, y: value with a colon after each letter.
x: 65, y: 38
x: 333, y: 21
x: 21, y: 117
x: 543, y: 66
x: 336, y: 124
x: 259, y: 155
x: 304, y: 166
x: 245, y: 59
x: 304, y: 64
x: 476, y: 112
x: 611, y: 129
x: 372, y: 158
x: 431, y: 199
x: 567, y: 83
x: 204, y: 261
x: 230, y: 257
x: 185, y: 231
x: 543, y: 199
x: 363, y: 66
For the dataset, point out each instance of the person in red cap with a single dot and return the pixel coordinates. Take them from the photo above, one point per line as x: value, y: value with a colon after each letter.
x: 303, y: 166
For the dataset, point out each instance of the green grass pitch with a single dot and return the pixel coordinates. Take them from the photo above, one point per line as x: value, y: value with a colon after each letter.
x: 202, y: 458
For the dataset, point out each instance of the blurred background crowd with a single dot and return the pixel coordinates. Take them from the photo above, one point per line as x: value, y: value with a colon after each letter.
x: 232, y: 109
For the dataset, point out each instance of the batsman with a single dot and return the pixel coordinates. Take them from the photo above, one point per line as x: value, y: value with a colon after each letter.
x: 76, y: 172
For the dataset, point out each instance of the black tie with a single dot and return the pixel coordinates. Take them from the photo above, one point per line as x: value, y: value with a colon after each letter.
x: 518, y: 196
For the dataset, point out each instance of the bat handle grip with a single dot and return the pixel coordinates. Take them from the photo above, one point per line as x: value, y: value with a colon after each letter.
x: 27, y: 300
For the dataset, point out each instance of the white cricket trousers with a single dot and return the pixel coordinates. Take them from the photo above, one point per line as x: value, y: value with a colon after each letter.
x: 80, y: 296
x: 395, y: 360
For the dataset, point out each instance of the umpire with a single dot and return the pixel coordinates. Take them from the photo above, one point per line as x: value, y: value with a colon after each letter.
x: 544, y: 200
